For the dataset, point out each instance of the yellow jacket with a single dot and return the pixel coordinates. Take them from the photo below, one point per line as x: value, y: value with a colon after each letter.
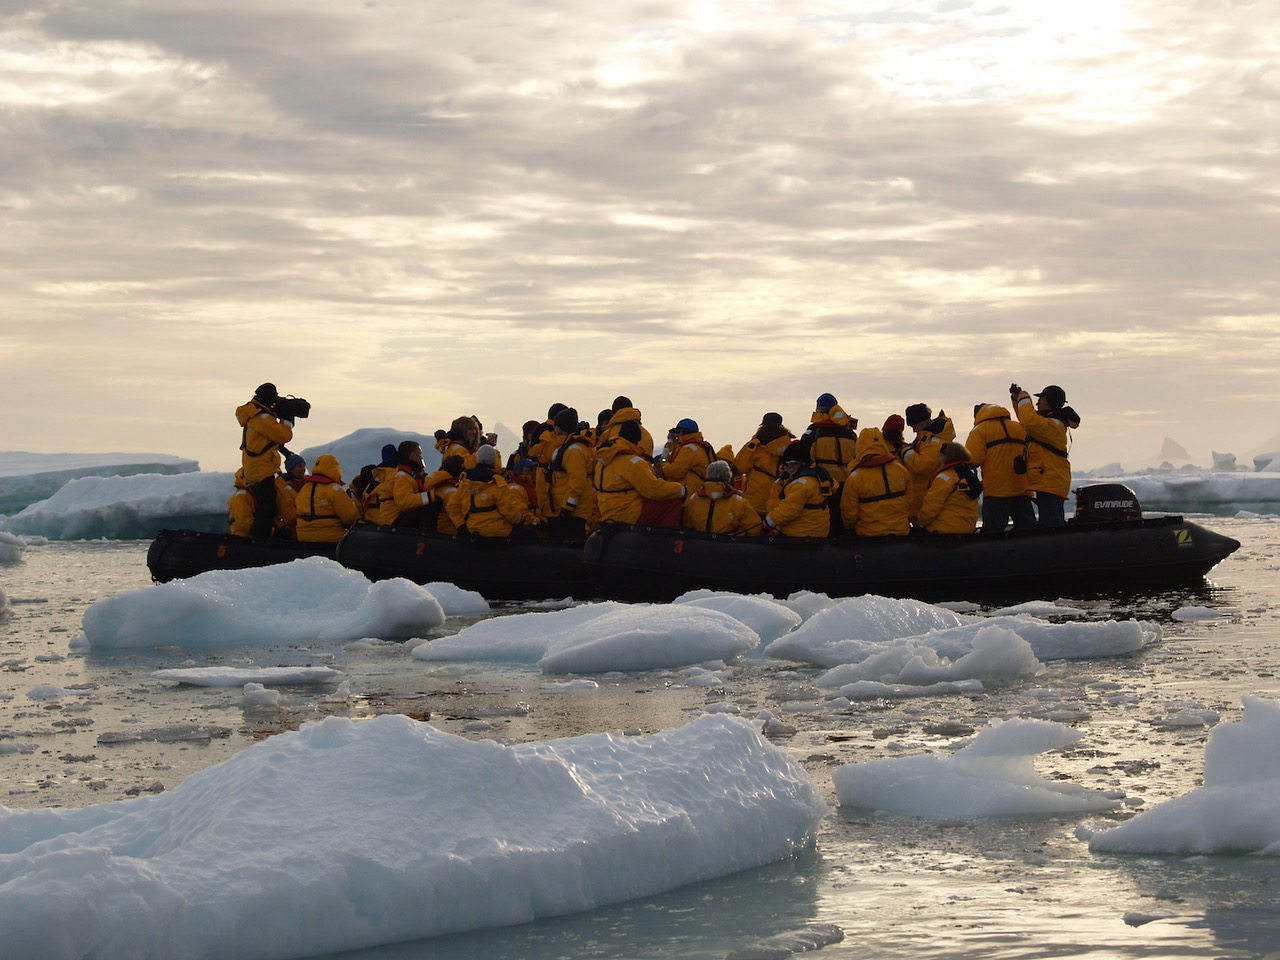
x: 798, y: 505
x: 1048, y: 447
x: 998, y: 445
x: 287, y: 506
x: 831, y: 441
x: 405, y: 492
x: 718, y: 508
x: 325, y: 509
x: 922, y: 456
x: 443, y: 487
x: 241, y: 508
x: 624, y: 480
x: 486, y: 504
x: 377, y: 498
x: 874, y: 500
x: 567, y: 481
x: 261, y: 436
x: 690, y: 458
x: 610, y: 432
x: 758, y: 460
x: 947, y: 506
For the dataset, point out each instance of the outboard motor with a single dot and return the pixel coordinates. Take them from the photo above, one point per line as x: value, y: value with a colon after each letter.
x: 1106, y: 502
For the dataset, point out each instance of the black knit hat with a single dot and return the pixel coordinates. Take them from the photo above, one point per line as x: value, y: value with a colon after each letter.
x: 916, y: 413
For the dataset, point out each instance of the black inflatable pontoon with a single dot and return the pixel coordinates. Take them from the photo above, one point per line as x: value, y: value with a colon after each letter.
x: 185, y: 553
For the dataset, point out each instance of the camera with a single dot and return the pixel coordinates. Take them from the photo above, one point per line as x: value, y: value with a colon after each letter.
x: 291, y: 408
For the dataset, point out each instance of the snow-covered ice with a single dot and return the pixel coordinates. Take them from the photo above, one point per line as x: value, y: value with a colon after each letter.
x: 271, y: 854
x: 991, y: 776
x: 310, y: 599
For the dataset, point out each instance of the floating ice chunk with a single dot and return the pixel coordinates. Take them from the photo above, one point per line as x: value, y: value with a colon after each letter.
x: 48, y: 691
x: 873, y: 689
x: 270, y: 855
x: 314, y: 599
x: 1196, y: 614
x: 991, y: 776
x: 258, y: 697
x: 599, y: 638
x: 786, y: 945
x: 767, y: 617
x: 239, y: 676
x: 1236, y: 811
x: 854, y: 628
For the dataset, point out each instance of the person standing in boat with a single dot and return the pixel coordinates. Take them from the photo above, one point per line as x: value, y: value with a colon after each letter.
x: 325, y: 507
x: 569, y: 500
x: 998, y: 445
x: 831, y: 438
x: 760, y: 458
x: 262, y: 434
x: 951, y: 502
x: 626, y: 489
x: 798, y: 502
x: 1048, y: 420
x: 716, y: 507
x: 874, y: 500
x: 924, y: 454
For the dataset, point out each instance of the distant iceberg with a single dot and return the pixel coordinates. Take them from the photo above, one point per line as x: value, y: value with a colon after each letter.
x: 26, y: 478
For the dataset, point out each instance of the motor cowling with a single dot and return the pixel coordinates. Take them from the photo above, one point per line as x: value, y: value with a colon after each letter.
x: 1106, y: 502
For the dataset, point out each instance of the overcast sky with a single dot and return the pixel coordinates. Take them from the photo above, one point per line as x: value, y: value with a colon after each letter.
x: 408, y: 211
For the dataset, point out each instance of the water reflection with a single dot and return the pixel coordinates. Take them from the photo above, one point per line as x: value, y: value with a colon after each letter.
x: 705, y: 920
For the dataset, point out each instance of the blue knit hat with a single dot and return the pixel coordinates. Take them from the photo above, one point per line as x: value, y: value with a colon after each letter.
x: 826, y: 402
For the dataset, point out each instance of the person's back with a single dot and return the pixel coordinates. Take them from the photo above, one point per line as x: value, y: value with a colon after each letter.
x: 874, y: 500
x: 951, y: 501
x: 569, y: 503
x: 831, y: 438
x: 716, y: 507
x: 325, y: 509
x: 998, y: 445
x: 624, y: 412
x: 758, y: 460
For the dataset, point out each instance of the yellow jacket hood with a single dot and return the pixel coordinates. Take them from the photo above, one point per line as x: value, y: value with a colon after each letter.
x: 327, y: 466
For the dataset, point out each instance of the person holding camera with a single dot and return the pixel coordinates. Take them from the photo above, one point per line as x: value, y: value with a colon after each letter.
x: 263, y: 433
x: 1048, y: 420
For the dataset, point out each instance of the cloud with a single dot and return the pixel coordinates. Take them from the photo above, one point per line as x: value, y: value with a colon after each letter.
x: 720, y: 206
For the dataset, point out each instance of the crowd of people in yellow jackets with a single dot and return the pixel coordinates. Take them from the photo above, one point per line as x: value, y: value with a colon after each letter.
x: 568, y: 476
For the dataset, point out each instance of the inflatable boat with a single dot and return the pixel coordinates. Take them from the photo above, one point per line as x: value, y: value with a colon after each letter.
x: 630, y: 562
x: 1107, y: 546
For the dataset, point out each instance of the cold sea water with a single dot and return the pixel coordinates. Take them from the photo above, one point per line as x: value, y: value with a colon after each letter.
x: 893, y: 886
